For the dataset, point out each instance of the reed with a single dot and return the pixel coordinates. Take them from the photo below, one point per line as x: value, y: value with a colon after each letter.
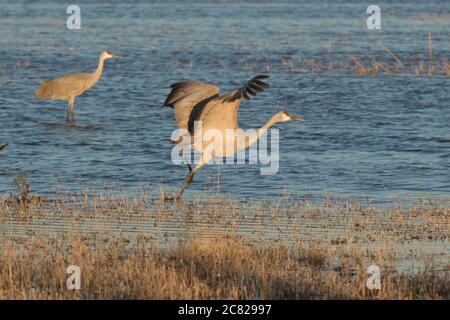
x: 446, y: 67
x: 220, y: 268
x: 430, y: 55
x: 359, y: 67
x: 363, y: 64
x: 141, y: 247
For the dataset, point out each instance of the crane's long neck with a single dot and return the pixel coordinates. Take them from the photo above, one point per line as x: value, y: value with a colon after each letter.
x: 98, y: 72
x: 255, y: 136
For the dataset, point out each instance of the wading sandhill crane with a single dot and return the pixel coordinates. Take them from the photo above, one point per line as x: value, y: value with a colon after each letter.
x: 199, y: 106
x: 3, y: 146
x: 70, y: 86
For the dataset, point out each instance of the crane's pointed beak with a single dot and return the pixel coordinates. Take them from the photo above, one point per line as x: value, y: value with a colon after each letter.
x: 116, y: 56
x: 297, y: 118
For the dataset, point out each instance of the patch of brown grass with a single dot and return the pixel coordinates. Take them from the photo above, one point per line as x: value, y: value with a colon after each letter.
x: 222, y: 268
x: 363, y: 62
x: 138, y: 247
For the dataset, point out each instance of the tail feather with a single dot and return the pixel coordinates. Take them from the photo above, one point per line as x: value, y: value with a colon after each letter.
x: 44, y: 90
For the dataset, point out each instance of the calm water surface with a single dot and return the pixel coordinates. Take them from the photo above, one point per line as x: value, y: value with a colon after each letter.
x: 373, y: 138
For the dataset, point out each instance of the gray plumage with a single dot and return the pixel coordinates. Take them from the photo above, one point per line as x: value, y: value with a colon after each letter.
x: 197, y: 103
x: 184, y: 96
x: 192, y: 100
x: 70, y: 86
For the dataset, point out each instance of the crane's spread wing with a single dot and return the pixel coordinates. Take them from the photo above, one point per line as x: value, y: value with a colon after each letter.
x: 63, y: 87
x: 184, y: 96
x: 221, y: 112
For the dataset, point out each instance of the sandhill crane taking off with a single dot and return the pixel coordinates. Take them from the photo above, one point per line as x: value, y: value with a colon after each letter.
x: 199, y: 107
x: 69, y: 86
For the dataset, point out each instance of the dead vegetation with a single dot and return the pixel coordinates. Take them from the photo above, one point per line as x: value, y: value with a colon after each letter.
x: 220, y: 268
x: 138, y: 247
x: 378, y: 62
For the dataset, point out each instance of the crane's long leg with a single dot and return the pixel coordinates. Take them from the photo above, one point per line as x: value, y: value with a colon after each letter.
x: 186, y: 160
x: 188, y: 180
x: 183, y: 153
x: 69, y: 110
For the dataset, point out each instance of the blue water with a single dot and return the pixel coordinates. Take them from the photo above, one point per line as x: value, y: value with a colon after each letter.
x: 374, y: 137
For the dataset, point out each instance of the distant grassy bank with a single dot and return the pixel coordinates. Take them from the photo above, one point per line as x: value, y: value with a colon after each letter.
x: 381, y: 61
x: 218, y: 248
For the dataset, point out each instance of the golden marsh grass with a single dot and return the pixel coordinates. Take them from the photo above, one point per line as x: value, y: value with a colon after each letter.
x: 139, y: 247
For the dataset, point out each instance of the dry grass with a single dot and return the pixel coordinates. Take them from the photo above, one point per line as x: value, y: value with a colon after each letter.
x: 446, y: 67
x: 369, y: 65
x: 222, y: 268
x: 220, y: 249
x: 383, y: 61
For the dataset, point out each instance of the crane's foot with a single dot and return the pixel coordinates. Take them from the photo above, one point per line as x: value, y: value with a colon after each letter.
x: 175, y: 197
x: 178, y: 196
x: 70, y: 116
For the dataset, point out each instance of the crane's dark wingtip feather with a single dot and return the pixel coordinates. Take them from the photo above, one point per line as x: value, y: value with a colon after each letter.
x: 174, y: 94
x: 177, y: 85
x: 170, y: 101
x: 245, y: 94
x: 167, y: 103
x: 3, y: 146
x: 256, y: 84
x: 250, y: 90
x: 261, y: 77
x: 251, y: 87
